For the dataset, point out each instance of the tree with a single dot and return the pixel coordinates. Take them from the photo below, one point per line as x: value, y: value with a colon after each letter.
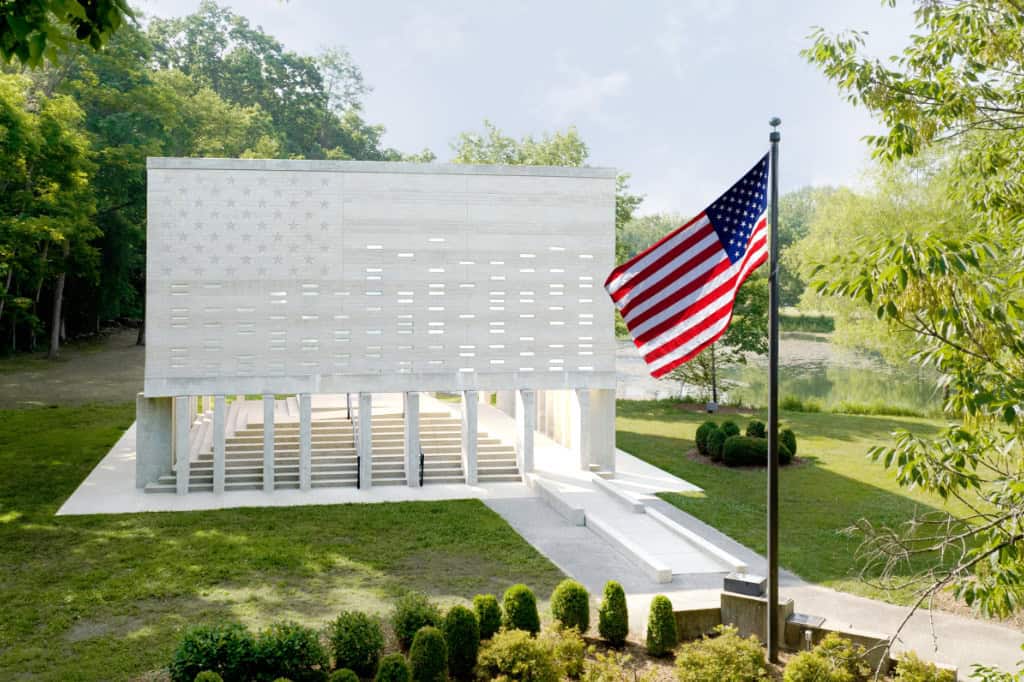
x: 797, y: 211
x: 956, y: 92
x: 34, y: 30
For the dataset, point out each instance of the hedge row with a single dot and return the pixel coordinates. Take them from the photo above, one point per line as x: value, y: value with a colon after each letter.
x: 723, y: 443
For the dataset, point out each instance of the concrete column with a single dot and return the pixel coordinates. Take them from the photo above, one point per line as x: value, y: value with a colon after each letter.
x: 542, y: 411
x: 469, y: 435
x: 154, y: 438
x: 506, y: 402
x: 580, y: 426
x: 364, y: 448
x: 411, y: 407
x: 182, y: 421
x: 305, y: 441
x: 219, y: 414
x: 602, y: 428
x: 268, y: 443
x: 526, y: 423
x: 560, y: 430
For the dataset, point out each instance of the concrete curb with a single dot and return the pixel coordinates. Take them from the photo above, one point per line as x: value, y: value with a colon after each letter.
x: 617, y: 494
x: 572, y: 514
x: 735, y: 564
x: 654, y: 568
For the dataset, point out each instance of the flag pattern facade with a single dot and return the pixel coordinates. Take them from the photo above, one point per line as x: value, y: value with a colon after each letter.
x: 677, y: 296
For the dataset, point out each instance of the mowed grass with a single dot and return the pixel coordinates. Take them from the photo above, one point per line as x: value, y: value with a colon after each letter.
x: 105, y: 597
x: 833, y: 487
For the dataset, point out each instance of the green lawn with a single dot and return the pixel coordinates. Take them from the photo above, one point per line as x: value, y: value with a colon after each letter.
x: 835, y: 486
x: 104, y: 597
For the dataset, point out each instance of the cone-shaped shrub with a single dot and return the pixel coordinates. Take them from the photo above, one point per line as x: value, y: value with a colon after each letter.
x: 570, y: 605
x: 488, y: 614
x: 662, y: 636
x: 428, y: 656
x: 393, y: 668
x: 520, y: 608
x: 701, y: 439
x: 613, y: 616
x: 462, y: 635
x: 412, y: 612
x: 716, y: 439
x: 788, y: 438
x: 227, y: 649
x: 291, y: 650
x: 356, y: 642
x: 343, y: 675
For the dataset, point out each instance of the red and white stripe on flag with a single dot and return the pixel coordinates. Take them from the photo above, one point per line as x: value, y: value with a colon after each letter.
x: 677, y: 296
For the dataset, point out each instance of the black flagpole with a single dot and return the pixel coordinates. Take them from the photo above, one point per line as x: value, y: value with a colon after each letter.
x: 773, y: 405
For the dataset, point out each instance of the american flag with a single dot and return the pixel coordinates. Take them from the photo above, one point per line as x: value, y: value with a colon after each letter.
x: 677, y: 296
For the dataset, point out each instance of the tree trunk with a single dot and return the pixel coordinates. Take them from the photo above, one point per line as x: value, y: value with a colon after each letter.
x: 58, y: 303
x: 141, y: 339
x: 714, y: 377
x: 7, y: 289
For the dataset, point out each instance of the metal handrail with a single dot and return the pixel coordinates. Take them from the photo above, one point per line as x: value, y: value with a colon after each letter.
x: 422, y: 460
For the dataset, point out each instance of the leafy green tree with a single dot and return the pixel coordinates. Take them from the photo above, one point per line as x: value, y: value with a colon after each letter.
x: 797, y: 211
x: 34, y: 30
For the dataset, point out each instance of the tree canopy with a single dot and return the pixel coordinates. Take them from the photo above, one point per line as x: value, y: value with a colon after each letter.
x: 34, y: 30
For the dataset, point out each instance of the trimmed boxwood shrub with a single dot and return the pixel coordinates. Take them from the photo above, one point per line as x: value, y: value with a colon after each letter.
x: 343, y: 675
x: 612, y: 615
x: 227, y: 649
x: 290, y: 650
x: 208, y: 676
x: 809, y: 666
x: 393, y: 668
x: 520, y: 607
x: 515, y: 655
x: 701, y: 439
x: 739, y: 451
x: 428, y: 655
x: 570, y: 605
x: 716, y: 439
x: 755, y: 429
x: 462, y: 635
x: 662, y: 635
x: 488, y: 613
x: 788, y: 438
x: 412, y: 612
x: 356, y: 642
x: 729, y: 428
x: 724, y: 657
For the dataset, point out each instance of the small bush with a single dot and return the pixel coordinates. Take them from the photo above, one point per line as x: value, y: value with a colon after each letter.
x: 412, y: 612
x: 787, y: 438
x: 809, y: 666
x: 729, y: 428
x: 462, y: 635
x: 703, y: 432
x: 208, y: 676
x: 910, y: 668
x: 290, y: 650
x: 356, y: 642
x: 716, y: 439
x: 613, y: 616
x: 393, y: 668
x: 488, y: 613
x: 515, y: 655
x: 726, y: 657
x: 794, y: 404
x: 227, y: 649
x: 755, y: 429
x: 343, y: 675
x: 844, y: 654
x: 570, y: 605
x: 662, y: 635
x: 745, y: 451
x: 428, y: 655
x: 569, y: 649
x: 520, y: 607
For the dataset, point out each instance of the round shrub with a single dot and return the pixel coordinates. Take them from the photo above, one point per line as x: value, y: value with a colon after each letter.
x: 613, y: 616
x: 808, y: 666
x: 462, y: 634
x: 226, y: 649
x: 393, y: 668
x: 844, y: 655
x: 755, y: 429
x: 488, y: 613
x: 520, y: 607
x: 569, y: 650
x: 412, y: 612
x: 787, y: 438
x: 343, y: 675
x: 739, y: 451
x: 703, y: 432
x: 515, y: 655
x: 428, y: 655
x: 356, y: 642
x: 290, y: 650
x: 729, y: 428
x: 726, y: 657
x: 910, y: 668
x: 662, y: 635
x: 570, y: 605
x: 208, y: 676
x: 716, y: 439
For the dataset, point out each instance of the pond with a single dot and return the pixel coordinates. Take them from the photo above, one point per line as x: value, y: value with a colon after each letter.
x: 810, y: 368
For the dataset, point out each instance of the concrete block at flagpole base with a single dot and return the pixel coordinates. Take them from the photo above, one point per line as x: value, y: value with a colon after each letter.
x: 745, y: 583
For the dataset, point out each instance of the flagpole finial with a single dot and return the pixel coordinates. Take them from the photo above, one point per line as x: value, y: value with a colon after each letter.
x: 775, y: 135
x: 775, y: 121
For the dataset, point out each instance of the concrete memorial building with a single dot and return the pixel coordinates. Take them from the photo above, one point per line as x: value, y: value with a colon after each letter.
x: 300, y: 315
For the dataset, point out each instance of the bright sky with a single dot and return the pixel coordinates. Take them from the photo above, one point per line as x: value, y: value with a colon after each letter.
x: 676, y: 93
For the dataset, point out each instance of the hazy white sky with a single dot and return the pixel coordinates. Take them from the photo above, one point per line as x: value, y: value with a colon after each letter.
x: 676, y: 93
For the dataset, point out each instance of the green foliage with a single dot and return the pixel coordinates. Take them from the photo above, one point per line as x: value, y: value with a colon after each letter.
x: 462, y: 635
x: 910, y: 668
x: 729, y: 428
x: 809, y: 666
x: 791, y: 403
x: 413, y: 611
x: 520, y: 609
x: 343, y: 675
x: 356, y: 641
x: 514, y: 655
x: 741, y: 451
x: 290, y: 650
x: 787, y: 439
x: 568, y: 648
x: 209, y: 676
x: 570, y: 605
x: 756, y: 429
x: 488, y: 613
x: 704, y: 431
x: 844, y: 655
x: 393, y: 668
x: 815, y: 324
x: 716, y: 441
x: 34, y: 30
x: 726, y: 657
x: 227, y: 649
x: 428, y: 656
x: 662, y: 635
x: 613, y: 615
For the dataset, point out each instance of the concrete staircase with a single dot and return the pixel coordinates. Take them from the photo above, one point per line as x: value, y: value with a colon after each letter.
x: 334, y: 455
